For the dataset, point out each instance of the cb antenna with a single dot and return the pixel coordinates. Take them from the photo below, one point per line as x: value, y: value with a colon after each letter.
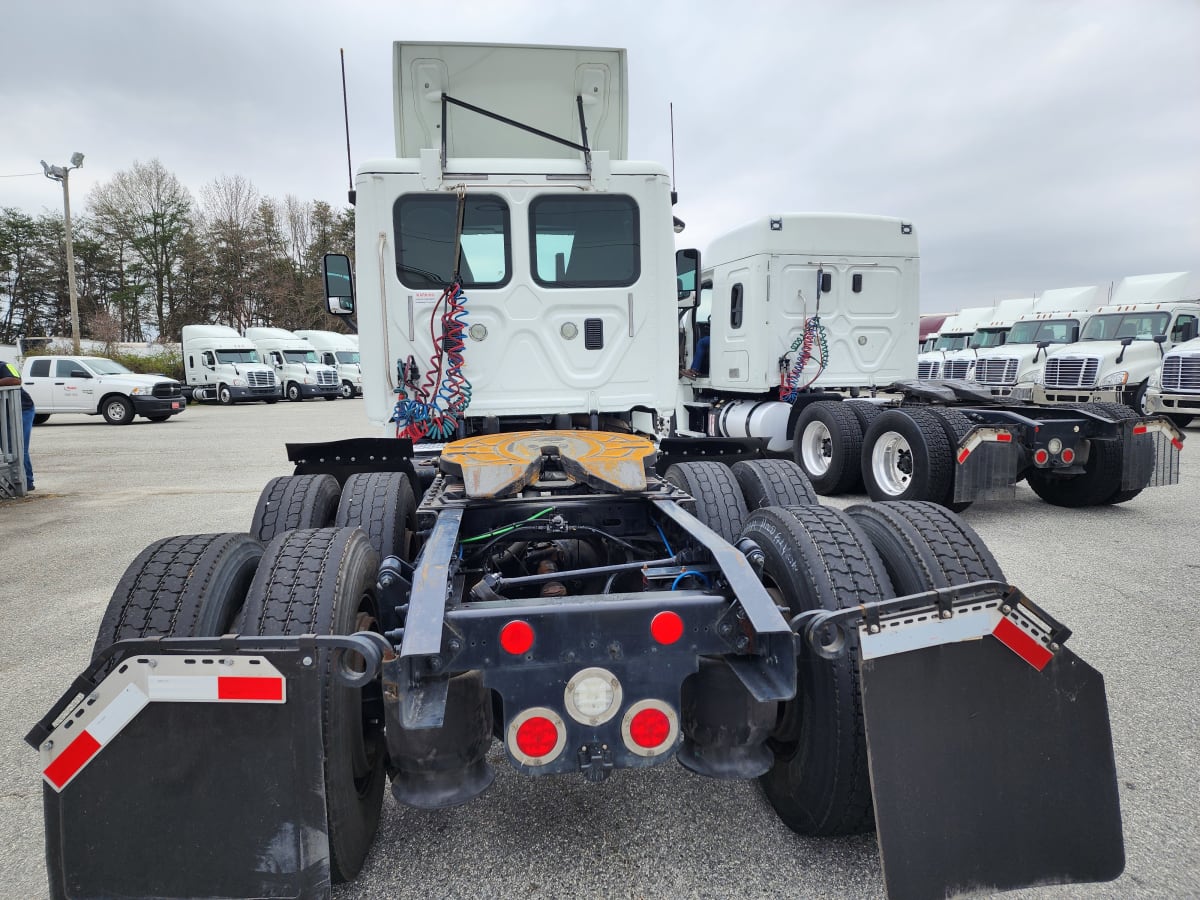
x: 346, y: 113
x: 672, y: 108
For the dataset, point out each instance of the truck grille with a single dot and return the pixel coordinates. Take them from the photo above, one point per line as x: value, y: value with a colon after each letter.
x: 928, y: 369
x: 996, y: 371
x: 260, y: 379
x: 957, y: 368
x: 327, y: 378
x: 1181, y: 373
x: 1071, y: 371
x: 168, y: 390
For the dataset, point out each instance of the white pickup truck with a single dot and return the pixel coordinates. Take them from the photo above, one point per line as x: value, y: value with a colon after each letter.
x: 96, y: 386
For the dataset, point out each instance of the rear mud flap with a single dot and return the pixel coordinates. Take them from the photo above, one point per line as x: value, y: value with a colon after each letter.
x: 1151, y: 457
x: 181, y: 778
x: 986, y: 466
x: 991, y: 755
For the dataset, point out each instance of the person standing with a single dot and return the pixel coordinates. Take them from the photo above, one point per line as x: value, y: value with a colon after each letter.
x: 11, y: 376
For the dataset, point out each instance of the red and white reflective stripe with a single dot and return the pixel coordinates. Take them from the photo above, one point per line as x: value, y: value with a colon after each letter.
x: 918, y: 631
x: 1163, y: 426
x: 95, y: 720
x: 978, y: 436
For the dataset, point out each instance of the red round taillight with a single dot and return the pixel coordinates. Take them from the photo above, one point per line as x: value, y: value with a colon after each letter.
x: 516, y: 637
x: 649, y: 728
x: 1068, y: 456
x: 666, y: 627
x: 537, y: 736
x: 1041, y: 457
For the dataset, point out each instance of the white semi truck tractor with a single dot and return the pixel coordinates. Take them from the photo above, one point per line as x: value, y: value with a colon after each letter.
x: 946, y: 359
x: 341, y: 352
x: 508, y: 567
x: 298, y: 367
x: 1174, y: 390
x: 1124, y: 343
x: 222, y: 366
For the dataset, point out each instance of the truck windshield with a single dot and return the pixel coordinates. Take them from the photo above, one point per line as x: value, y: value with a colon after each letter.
x: 1056, y: 331
x: 347, y: 357
x: 952, y: 342
x: 102, y: 366
x: 1141, y: 326
x: 300, y: 356
x: 237, y: 356
x: 425, y: 226
x: 988, y: 337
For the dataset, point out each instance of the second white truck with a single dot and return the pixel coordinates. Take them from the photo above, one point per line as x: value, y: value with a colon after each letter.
x: 341, y: 352
x: 298, y: 367
x: 223, y: 367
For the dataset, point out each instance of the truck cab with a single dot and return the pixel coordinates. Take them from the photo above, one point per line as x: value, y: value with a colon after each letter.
x: 1174, y: 390
x: 1124, y: 343
x: 518, y: 281
x: 339, y: 351
x: 223, y: 367
x: 947, y: 360
x: 298, y: 367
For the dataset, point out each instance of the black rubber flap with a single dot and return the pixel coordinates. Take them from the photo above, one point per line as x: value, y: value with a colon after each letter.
x: 199, y: 800
x: 988, y: 774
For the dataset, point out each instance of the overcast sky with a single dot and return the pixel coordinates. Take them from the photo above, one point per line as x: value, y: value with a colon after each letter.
x: 1035, y: 144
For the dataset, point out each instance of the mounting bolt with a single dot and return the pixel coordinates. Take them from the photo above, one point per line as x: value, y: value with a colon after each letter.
x: 726, y: 628
x: 435, y: 663
x: 49, y: 745
x: 307, y: 661
x: 945, y: 614
x: 873, y: 629
x: 387, y: 579
x: 1054, y: 647
x: 743, y: 642
x: 454, y: 646
x: 1006, y: 609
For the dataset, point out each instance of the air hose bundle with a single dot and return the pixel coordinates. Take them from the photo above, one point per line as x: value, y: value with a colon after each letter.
x: 814, y: 337
x: 435, y: 409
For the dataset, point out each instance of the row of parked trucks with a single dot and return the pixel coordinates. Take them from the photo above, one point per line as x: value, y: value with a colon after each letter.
x: 220, y: 365
x: 1082, y: 345
x: 582, y: 538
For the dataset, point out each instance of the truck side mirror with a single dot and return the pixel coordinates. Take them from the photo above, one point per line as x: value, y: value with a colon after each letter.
x: 687, y: 272
x: 339, y: 284
x: 1162, y: 338
x: 79, y: 373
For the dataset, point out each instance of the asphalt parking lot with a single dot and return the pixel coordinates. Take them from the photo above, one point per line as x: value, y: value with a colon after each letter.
x: 1123, y: 578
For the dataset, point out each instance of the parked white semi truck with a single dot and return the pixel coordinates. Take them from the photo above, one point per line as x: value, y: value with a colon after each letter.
x: 1057, y: 317
x: 341, y: 352
x: 1174, y: 389
x: 990, y: 333
x: 509, y: 567
x: 221, y: 366
x: 1123, y: 344
x: 298, y: 367
x: 946, y: 359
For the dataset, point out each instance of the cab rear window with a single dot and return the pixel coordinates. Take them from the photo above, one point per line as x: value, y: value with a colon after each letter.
x: 425, y: 226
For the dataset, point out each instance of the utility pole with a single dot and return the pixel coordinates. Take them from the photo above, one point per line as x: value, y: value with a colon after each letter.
x: 61, y: 173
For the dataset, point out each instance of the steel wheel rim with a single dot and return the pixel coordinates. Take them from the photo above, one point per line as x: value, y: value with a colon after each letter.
x: 892, y: 463
x: 116, y: 410
x: 816, y: 448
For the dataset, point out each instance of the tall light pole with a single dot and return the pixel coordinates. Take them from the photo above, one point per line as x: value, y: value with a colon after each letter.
x: 60, y: 173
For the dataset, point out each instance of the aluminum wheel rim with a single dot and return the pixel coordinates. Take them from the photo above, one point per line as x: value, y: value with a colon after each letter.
x: 816, y: 449
x: 892, y: 463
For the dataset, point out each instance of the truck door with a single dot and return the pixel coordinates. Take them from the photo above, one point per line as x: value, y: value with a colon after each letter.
x: 39, y: 384
x: 72, y: 388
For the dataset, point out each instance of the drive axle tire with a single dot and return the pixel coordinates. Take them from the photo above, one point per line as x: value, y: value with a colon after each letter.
x: 383, y: 505
x: 956, y: 425
x: 322, y: 581
x: 906, y: 456
x: 773, y: 482
x: 719, y: 501
x: 865, y: 411
x: 117, y: 410
x: 925, y: 547
x: 827, y: 444
x: 1100, y: 483
x: 186, y: 586
x: 817, y: 558
x: 294, y: 501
